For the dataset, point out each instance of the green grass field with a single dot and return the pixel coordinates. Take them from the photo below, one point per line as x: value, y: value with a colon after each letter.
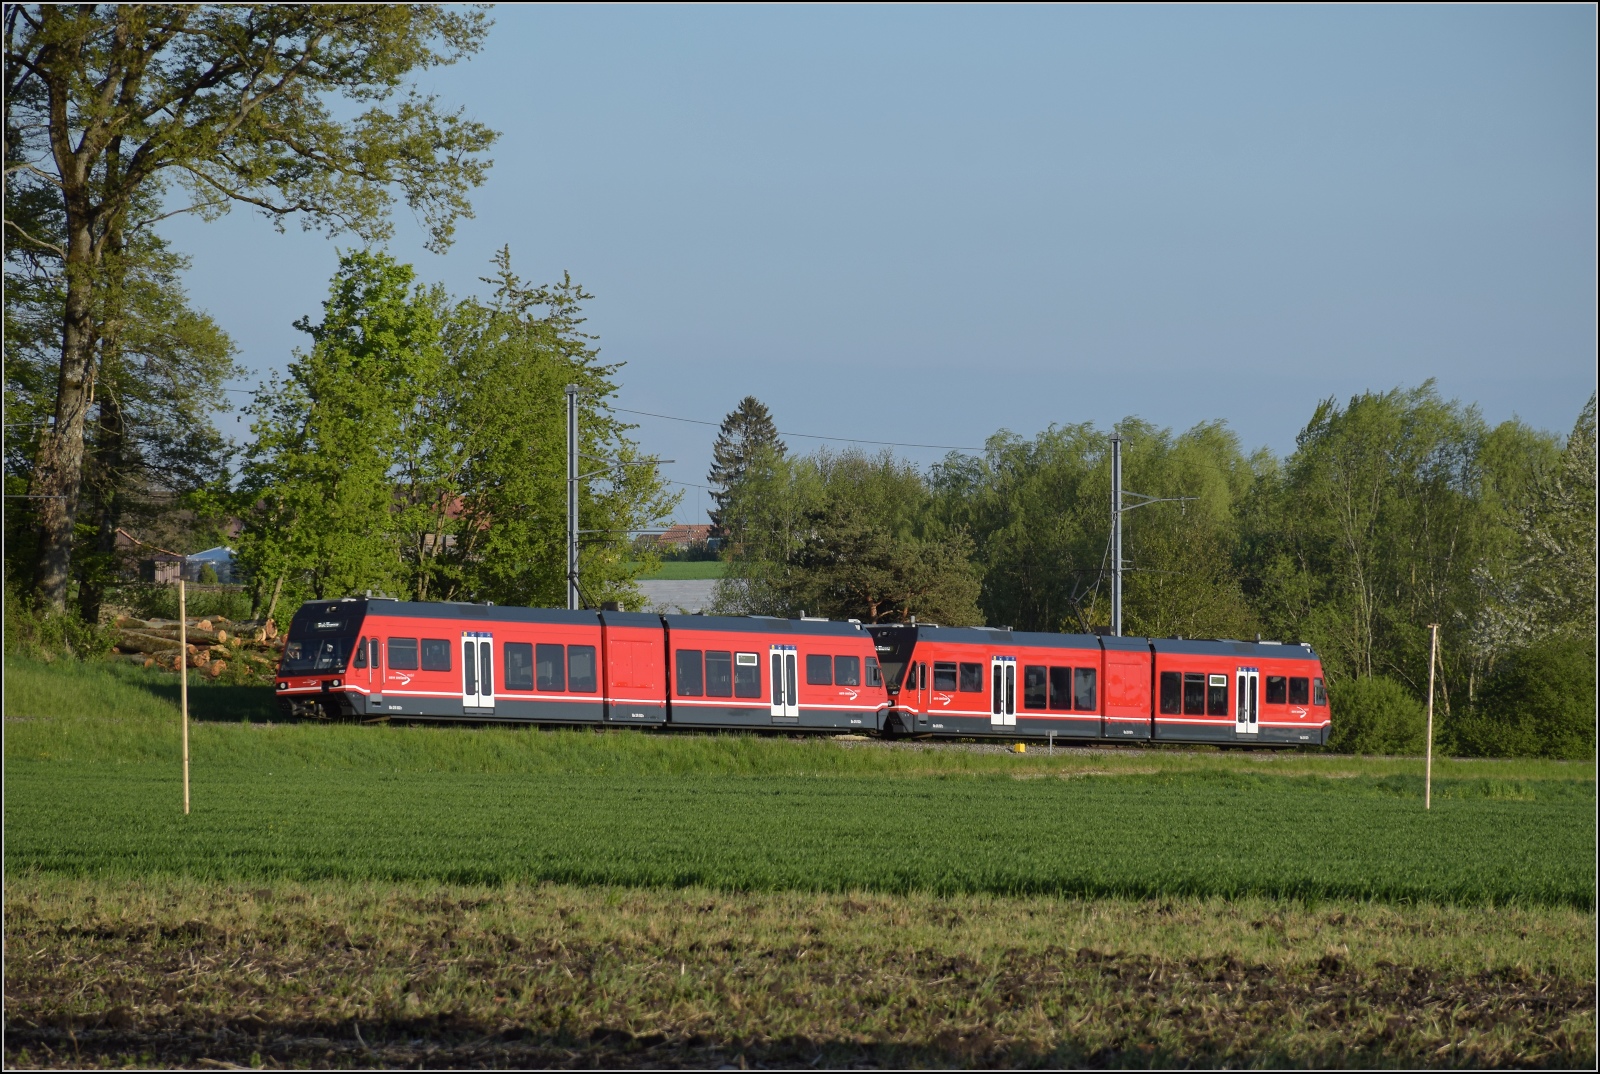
x: 325, y: 822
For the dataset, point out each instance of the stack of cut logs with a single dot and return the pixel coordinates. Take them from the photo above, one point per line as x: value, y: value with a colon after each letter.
x: 213, y: 643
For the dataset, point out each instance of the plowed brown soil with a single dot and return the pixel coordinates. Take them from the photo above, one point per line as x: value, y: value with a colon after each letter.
x: 100, y: 973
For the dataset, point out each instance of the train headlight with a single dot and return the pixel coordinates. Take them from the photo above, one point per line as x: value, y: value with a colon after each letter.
x: 335, y: 682
x: 283, y: 686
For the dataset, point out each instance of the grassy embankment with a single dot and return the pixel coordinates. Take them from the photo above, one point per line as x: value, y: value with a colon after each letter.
x: 481, y: 890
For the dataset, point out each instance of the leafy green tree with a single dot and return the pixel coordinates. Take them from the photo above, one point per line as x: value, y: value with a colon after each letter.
x: 159, y: 369
x: 496, y: 446
x: 106, y: 105
x: 419, y: 448
x: 1540, y: 702
x: 845, y: 535
x: 866, y: 551
x: 1182, y: 578
x: 1372, y: 530
x: 1515, y: 463
x: 317, y: 479
x: 1549, y: 587
x: 747, y: 430
x: 1039, y: 512
x: 1376, y: 715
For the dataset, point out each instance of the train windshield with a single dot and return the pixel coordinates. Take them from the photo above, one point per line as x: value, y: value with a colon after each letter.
x: 320, y: 638
x: 894, y: 645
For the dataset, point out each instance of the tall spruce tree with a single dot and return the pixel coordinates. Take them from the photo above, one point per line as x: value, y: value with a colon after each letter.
x: 746, y: 430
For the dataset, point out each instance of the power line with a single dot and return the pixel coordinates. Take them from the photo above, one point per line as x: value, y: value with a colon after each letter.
x: 803, y: 436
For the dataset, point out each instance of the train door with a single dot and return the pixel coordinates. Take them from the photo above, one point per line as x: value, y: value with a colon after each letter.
x: 477, y: 672
x: 1246, y: 714
x: 916, y: 686
x: 1003, y: 695
x: 785, y: 683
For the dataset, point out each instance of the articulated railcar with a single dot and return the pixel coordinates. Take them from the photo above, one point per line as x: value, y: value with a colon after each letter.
x: 368, y: 658
x: 983, y: 681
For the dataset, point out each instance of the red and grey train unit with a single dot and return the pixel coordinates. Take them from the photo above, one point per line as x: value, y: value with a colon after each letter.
x: 365, y: 658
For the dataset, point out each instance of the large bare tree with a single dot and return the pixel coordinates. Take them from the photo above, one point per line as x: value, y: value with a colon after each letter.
x: 298, y: 110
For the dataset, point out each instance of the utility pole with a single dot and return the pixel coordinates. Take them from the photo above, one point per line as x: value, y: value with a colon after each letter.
x: 1427, y: 777
x: 574, y: 598
x: 1117, y: 511
x: 572, y: 498
x: 1116, y: 535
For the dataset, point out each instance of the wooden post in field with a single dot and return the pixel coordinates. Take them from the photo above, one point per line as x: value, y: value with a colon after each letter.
x: 183, y: 684
x: 1427, y: 779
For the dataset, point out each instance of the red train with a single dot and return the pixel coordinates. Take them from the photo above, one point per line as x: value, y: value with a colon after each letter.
x: 365, y: 658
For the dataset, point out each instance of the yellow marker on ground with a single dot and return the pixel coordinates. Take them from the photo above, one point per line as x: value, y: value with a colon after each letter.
x: 1020, y: 747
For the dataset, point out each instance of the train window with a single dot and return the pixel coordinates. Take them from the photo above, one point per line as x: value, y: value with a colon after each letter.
x: 469, y: 666
x: 1194, y: 694
x: 691, y: 678
x: 1299, y: 691
x: 874, y: 673
x: 719, y: 674
x: 972, y: 678
x: 361, y: 653
x: 403, y: 654
x: 1083, y: 691
x: 1277, y: 692
x: 1171, y: 692
x: 847, y: 671
x: 944, y: 676
x: 580, y: 669
x: 377, y: 654
x: 747, y: 675
x: 1319, y: 693
x: 486, y: 668
x: 550, y: 665
x: 1217, y: 696
x: 819, y: 670
x: 519, y: 665
x: 1061, y: 688
x: 1035, y: 686
x: 435, y: 654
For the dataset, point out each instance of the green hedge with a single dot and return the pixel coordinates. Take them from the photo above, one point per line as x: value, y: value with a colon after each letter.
x: 1376, y: 715
x: 1539, y: 703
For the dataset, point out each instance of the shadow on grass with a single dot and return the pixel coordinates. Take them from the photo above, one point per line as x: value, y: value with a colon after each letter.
x: 212, y: 701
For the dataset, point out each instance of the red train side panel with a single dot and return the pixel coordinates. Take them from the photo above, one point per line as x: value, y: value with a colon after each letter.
x: 757, y: 671
x: 370, y: 658
x: 636, y: 668
x: 1241, y: 692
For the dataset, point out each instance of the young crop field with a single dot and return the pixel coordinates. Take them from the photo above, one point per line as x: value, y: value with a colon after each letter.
x: 588, y: 894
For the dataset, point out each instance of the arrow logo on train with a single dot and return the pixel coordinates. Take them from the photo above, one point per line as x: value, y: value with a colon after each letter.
x: 943, y: 699
x: 405, y: 680
x: 849, y: 693
x: 1300, y: 712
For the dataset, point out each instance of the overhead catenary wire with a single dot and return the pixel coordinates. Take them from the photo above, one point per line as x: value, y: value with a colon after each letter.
x: 803, y: 436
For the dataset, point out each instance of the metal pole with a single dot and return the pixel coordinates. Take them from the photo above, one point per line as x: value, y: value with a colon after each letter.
x: 183, y: 683
x: 1427, y: 779
x: 572, y: 497
x: 1116, y: 536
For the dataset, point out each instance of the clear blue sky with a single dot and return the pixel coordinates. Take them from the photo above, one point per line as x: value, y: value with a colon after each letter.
x: 927, y: 224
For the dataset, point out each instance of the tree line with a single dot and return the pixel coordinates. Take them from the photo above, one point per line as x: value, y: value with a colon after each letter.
x: 1396, y: 510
